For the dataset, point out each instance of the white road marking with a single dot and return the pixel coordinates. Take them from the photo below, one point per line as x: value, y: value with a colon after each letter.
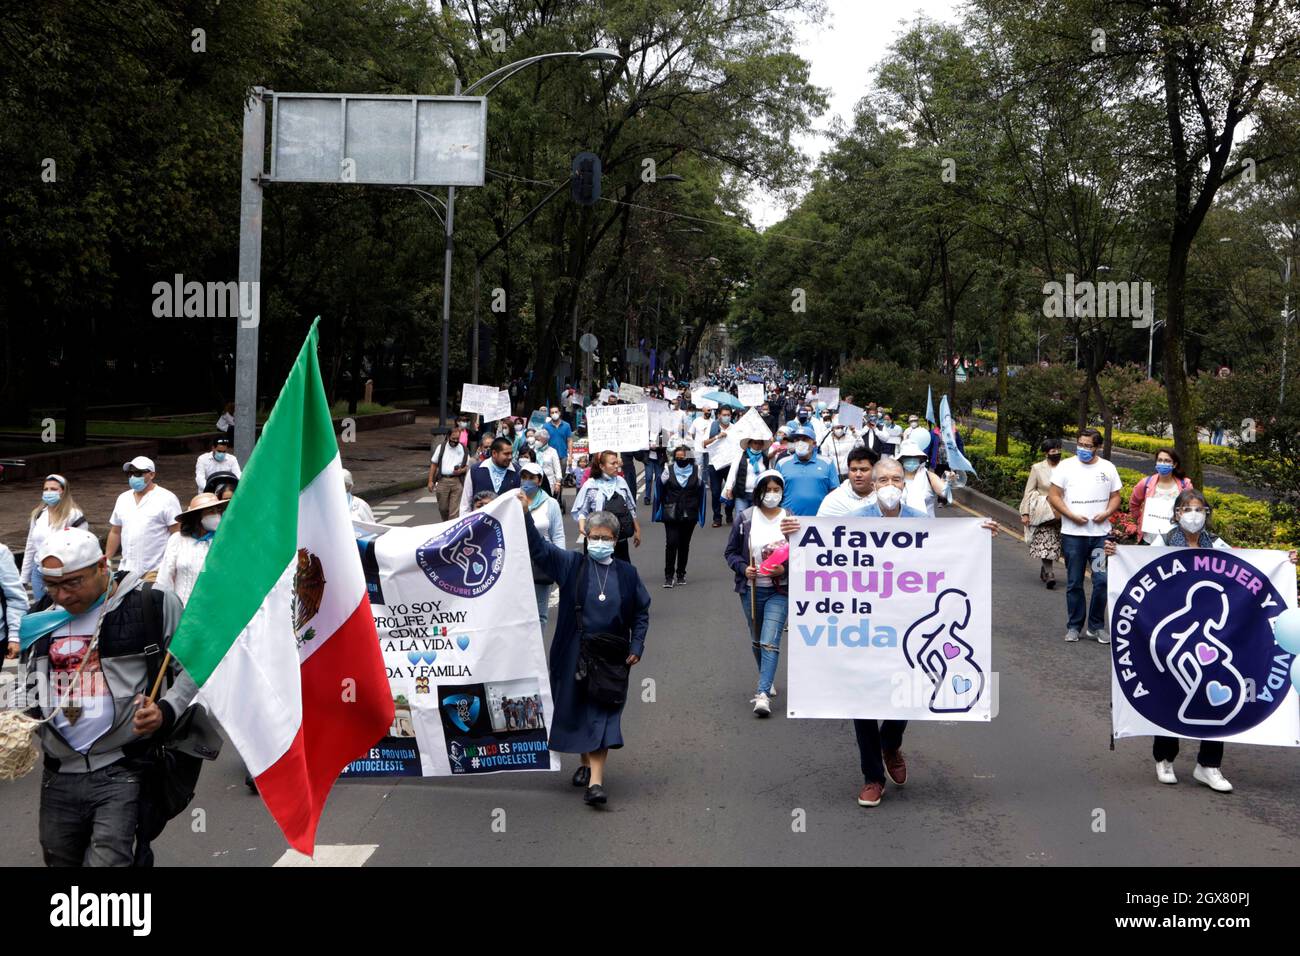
x: 395, y: 519
x: 340, y: 855
x: 427, y: 500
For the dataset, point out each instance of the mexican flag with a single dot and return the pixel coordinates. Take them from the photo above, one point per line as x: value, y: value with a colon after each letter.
x: 278, y: 632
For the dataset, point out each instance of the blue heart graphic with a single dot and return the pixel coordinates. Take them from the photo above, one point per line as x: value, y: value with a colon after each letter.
x: 960, y: 684
x: 1217, y: 693
x: 430, y: 656
x: 413, y: 656
x: 462, y: 642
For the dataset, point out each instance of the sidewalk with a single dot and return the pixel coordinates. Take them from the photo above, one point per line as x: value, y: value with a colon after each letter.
x: 380, y: 461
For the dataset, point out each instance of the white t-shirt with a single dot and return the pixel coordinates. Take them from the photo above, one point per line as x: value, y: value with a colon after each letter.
x: 700, y: 429
x: 764, y: 537
x: 146, y: 526
x: 918, y: 492
x: 843, y: 501
x: 207, y: 465
x: 68, y: 645
x: 449, y: 457
x: 1086, y: 490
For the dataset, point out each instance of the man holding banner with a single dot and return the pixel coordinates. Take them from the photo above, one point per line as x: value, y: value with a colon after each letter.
x: 1194, y: 651
x: 945, y: 642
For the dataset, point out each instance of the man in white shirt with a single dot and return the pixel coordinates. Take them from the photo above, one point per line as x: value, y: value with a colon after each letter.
x: 890, y: 435
x: 214, y: 462
x: 854, y: 492
x: 835, y: 446
x: 1085, y: 493
x: 700, y: 429
x: 447, y: 466
x: 913, y: 428
x: 143, y: 518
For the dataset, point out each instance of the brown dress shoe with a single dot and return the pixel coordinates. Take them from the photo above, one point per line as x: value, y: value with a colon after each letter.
x: 871, y: 794
x: 896, y: 767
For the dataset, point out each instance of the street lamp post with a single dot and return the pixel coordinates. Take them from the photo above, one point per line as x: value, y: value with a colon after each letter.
x: 1151, y: 341
x: 500, y: 75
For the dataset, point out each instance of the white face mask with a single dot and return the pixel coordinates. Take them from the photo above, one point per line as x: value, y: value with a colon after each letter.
x: 1192, y: 521
x: 555, y: 416
x: 839, y: 431
x: 772, y: 499
x: 210, y: 522
x: 889, y: 497
x: 803, y: 449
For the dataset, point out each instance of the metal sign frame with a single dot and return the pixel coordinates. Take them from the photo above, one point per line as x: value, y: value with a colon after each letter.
x: 344, y: 99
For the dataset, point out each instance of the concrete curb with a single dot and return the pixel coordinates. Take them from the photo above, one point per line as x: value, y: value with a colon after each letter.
x: 978, y: 501
x: 380, y: 492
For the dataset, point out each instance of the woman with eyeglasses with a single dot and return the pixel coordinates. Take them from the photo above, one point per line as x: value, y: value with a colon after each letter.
x: 1190, y: 530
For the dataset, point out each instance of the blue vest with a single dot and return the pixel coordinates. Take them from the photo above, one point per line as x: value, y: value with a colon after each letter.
x: 480, y: 479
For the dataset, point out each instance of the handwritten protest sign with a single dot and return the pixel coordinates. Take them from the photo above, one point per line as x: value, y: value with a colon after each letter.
x: 750, y: 394
x: 618, y: 427
x: 478, y: 398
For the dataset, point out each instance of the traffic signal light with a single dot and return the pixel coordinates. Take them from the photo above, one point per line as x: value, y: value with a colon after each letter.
x: 585, y: 183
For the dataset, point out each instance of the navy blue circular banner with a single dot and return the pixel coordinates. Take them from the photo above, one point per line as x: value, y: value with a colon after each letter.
x: 467, y: 558
x: 1193, y: 644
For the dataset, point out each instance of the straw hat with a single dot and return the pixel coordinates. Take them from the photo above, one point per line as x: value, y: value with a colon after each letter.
x: 203, y: 501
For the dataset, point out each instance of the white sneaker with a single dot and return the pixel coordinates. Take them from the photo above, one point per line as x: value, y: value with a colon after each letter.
x: 1165, y: 771
x: 1071, y: 636
x: 772, y: 692
x: 762, y: 707
x: 1212, y: 778
x: 1101, y: 635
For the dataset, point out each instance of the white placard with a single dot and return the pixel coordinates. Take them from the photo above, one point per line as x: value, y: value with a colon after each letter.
x: 724, y: 451
x: 830, y: 396
x: 657, y: 409
x: 704, y: 403
x: 498, y: 409
x: 750, y: 394
x: 850, y: 416
x: 618, y: 427
x: 478, y: 398
x: 631, y: 393
x: 750, y: 426
x: 672, y: 394
x: 890, y: 618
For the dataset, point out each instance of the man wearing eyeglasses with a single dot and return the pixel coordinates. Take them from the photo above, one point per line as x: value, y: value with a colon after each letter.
x: 91, y: 652
x: 144, y: 517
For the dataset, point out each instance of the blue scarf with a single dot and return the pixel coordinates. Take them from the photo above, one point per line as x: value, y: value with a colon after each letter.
x: 683, y: 474
x: 498, y: 474
x: 37, y: 625
x: 755, y: 458
x: 1177, y: 539
x: 539, y: 500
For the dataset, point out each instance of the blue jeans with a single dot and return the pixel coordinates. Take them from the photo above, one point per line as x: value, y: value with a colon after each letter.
x: 1078, y: 550
x: 742, y: 503
x: 90, y: 819
x: 543, y: 602
x: 771, y: 608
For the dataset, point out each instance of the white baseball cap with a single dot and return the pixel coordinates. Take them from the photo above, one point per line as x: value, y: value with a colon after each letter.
x: 76, y: 548
x: 530, y: 468
x: 139, y: 463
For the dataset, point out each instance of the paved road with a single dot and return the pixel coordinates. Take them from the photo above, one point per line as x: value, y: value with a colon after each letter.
x: 703, y: 781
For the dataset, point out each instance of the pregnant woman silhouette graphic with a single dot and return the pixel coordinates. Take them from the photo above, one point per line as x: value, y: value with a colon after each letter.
x: 1186, y: 643
x: 933, y: 644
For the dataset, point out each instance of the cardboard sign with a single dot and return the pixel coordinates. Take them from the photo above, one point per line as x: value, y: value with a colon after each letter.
x: 750, y: 395
x: 831, y: 396
x: 478, y: 398
x: 618, y: 427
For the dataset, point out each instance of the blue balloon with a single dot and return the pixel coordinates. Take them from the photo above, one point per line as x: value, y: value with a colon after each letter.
x: 1295, y: 674
x: 921, y: 439
x: 1286, y: 631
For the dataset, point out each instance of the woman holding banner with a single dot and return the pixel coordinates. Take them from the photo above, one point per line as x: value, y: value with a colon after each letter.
x: 1191, y: 517
x: 600, y: 630
x: 763, y: 587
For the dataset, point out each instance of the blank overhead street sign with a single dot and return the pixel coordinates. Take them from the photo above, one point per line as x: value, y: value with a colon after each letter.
x: 385, y: 140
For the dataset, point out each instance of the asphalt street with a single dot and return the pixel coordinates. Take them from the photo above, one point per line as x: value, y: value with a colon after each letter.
x: 702, y: 781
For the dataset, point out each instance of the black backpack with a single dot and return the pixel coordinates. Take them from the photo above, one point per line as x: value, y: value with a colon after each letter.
x: 616, y: 506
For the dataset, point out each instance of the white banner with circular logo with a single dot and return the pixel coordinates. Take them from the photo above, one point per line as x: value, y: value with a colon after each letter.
x: 1192, y: 645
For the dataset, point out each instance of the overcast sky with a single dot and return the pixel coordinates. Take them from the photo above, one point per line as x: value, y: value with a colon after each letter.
x: 843, y: 50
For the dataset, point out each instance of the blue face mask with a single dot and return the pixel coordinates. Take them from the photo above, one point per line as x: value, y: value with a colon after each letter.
x: 1085, y: 454
x: 600, y: 550
x: 219, y: 456
x: 1164, y: 468
x: 138, y: 483
x: 51, y: 498
x: 529, y: 487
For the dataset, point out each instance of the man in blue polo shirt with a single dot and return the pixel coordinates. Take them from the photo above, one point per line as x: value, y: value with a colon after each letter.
x: 808, y: 478
x: 558, y: 432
